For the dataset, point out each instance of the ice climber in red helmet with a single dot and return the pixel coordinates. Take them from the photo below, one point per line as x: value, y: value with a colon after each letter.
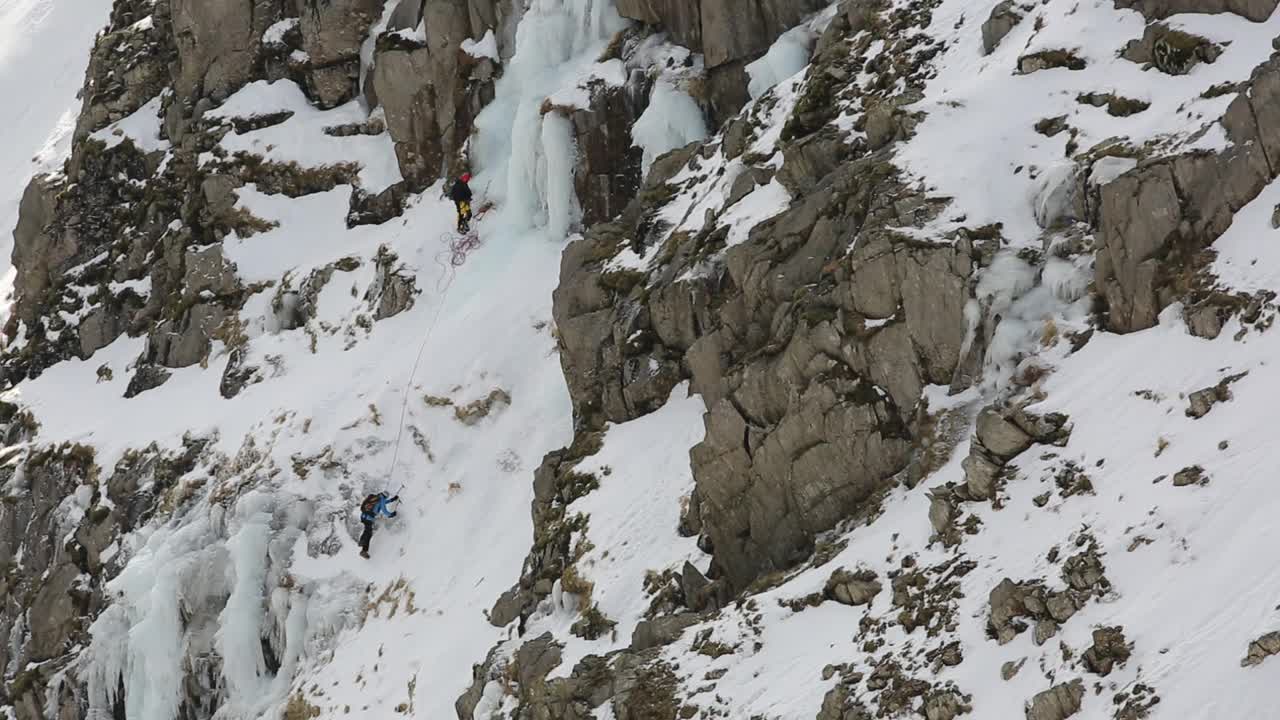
x: 460, y: 193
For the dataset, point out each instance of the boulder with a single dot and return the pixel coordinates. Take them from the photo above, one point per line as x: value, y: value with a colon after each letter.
x: 1202, y: 401
x: 701, y: 594
x: 945, y: 705
x: 848, y: 588
x: 536, y: 658
x: 99, y: 329
x: 1004, y: 17
x: 1193, y: 475
x: 1061, y: 606
x: 840, y: 704
x: 392, y: 290
x: 942, y: 511
x: 1001, y: 436
x: 1007, y: 602
x: 1261, y: 649
x: 661, y: 631
x: 1108, y: 650
x: 1044, y: 630
x: 1172, y: 51
x: 981, y: 475
x: 1057, y: 703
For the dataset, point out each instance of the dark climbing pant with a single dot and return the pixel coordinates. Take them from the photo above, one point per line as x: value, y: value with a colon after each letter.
x: 464, y: 217
x: 366, y: 536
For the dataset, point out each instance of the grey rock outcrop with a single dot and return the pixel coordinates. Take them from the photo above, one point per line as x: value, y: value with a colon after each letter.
x: 218, y: 43
x: 839, y: 704
x: 607, y: 172
x: 186, y: 340
x: 392, y: 290
x: 631, y: 683
x: 37, y: 256
x: 729, y: 34
x: 810, y: 343
x: 1014, y: 605
x: 332, y: 32
x: 681, y: 18
x: 1158, y: 218
x: 661, y: 631
x: 432, y: 91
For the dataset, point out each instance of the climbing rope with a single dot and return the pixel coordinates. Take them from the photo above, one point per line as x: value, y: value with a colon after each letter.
x: 456, y: 249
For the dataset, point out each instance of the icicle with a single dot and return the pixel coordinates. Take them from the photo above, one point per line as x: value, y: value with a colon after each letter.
x: 561, y: 200
x: 239, y: 637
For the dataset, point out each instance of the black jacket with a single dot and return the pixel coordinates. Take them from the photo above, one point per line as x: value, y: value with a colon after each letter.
x: 460, y: 192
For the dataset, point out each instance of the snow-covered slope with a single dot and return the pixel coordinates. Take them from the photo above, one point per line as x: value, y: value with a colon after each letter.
x: 43, y: 48
x: 863, y: 320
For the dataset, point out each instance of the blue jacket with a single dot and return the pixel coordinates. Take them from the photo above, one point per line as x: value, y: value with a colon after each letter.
x: 381, y: 508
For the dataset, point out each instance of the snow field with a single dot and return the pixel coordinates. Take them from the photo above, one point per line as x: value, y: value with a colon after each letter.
x: 978, y: 143
x: 51, y: 39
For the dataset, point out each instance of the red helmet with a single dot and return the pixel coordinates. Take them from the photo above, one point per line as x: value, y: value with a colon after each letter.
x: 466, y: 177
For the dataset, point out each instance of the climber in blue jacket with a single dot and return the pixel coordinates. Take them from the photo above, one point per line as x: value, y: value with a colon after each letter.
x: 374, y: 505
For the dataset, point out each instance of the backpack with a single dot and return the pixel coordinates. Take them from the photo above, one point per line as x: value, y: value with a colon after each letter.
x: 370, y: 504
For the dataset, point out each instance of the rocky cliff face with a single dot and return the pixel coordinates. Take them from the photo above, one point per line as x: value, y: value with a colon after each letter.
x: 838, y: 413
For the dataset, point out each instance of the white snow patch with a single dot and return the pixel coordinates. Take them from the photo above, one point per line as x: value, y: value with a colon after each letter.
x: 485, y: 47
x: 142, y: 127
x: 633, y: 517
x: 765, y: 202
x: 672, y: 120
x: 301, y: 139
x: 1109, y: 168
x: 275, y: 34
x: 788, y: 55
